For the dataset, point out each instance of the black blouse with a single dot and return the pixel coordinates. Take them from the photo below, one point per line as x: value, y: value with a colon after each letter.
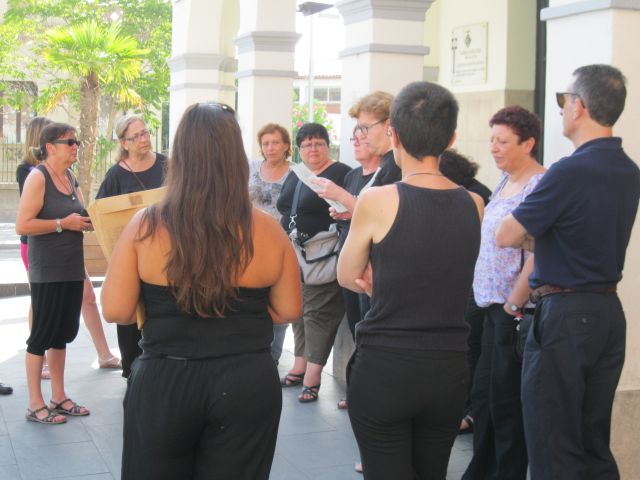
x: 313, y: 211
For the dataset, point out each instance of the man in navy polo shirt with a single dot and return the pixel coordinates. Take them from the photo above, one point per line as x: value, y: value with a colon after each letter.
x: 578, y: 220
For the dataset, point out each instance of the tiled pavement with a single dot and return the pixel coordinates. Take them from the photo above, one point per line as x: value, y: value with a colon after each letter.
x: 314, y: 441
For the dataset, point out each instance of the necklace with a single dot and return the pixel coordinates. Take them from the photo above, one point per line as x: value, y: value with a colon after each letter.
x: 422, y: 173
x: 71, y: 191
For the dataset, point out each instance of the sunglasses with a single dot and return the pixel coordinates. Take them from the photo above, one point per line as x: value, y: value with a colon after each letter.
x: 69, y: 142
x: 561, y: 98
x: 222, y: 106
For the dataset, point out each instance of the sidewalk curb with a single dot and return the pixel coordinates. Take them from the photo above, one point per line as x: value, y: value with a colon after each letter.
x: 21, y: 289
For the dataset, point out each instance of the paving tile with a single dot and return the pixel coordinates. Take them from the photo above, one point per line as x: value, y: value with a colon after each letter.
x: 339, y: 472
x: 282, y: 469
x: 302, y: 419
x: 10, y: 472
x: 61, y: 460
x: 6, y: 451
x: 26, y: 434
x: 99, y: 476
x: 317, y: 450
x: 108, y: 441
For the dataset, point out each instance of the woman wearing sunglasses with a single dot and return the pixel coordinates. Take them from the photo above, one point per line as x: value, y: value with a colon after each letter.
x: 49, y: 214
x: 215, y: 274
x: 137, y: 168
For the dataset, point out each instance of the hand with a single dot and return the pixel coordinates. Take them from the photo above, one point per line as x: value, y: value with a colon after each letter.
x: 365, y: 282
x: 327, y: 189
x: 508, y: 311
x: 339, y: 216
x: 77, y: 223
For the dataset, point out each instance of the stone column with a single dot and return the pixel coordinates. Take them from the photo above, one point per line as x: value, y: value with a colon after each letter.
x: 580, y: 33
x: 384, y: 50
x: 202, y: 62
x: 266, y: 42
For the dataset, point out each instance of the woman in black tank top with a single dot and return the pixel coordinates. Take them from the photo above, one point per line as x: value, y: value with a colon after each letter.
x: 412, y: 246
x: 204, y: 399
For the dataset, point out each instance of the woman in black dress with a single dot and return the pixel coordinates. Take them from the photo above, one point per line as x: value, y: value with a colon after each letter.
x: 203, y: 401
x: 137, y: 168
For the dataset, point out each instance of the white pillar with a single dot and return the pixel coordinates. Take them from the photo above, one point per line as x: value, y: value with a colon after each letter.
x: 266, y: 43
x: 384, y: 50
x: 581, y: 33
x: 202, y: 62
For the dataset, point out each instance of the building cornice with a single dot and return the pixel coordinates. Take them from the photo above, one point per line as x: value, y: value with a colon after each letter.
x: 354, y: 11
x: 257, y: 72
x: 385, y: 48
x: 576, y: 8
x: 267, y: 41
x: 201, y: 86
x: 202, y: 61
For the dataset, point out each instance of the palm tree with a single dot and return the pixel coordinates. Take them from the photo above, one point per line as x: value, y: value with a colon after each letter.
x: 92, y: 59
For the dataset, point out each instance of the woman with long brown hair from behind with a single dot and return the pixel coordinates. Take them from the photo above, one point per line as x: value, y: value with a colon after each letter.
x: 203, y: 400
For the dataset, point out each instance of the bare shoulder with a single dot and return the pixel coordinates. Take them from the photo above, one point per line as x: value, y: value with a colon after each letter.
x: 378, y: 198
x: 479, y: 203
x: 266, y: 228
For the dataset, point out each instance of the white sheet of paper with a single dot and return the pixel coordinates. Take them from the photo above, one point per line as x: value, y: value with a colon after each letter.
x: 304, y: 174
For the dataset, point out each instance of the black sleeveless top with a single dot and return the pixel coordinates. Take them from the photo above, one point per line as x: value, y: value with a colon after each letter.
x: 57, y: 257
x: 422, y: 272
x: 168, y: 331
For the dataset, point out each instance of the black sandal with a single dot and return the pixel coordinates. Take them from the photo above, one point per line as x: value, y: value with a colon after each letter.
x: 311, y: 391
x: 32, y: 416
x: 291, y: 380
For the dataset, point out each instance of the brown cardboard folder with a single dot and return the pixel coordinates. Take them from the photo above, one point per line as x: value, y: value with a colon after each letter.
x: 110, y: 215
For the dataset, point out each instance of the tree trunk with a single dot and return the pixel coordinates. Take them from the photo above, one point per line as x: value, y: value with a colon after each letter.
x: 89, y: 114
x: 111, y: 119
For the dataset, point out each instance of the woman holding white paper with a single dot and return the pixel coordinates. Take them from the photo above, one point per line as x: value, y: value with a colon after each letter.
x: 323, y: 304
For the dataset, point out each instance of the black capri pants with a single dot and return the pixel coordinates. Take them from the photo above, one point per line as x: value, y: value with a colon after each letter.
x: 208, y: 419
x: 405, y: 408
x: 56, y: 315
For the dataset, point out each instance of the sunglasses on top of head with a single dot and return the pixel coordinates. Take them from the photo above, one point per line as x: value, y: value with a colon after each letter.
x: 69, y: 142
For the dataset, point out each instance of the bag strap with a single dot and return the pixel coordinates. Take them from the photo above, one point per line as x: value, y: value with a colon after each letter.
x: 294, y: 205
x: 134, y: 174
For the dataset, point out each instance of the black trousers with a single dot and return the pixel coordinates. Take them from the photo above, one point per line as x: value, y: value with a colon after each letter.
x: 474, y: 316
x: 572, y: 363
x: 206, y: 419
x: 128, y: 338
x: 499, y: 448
x: 56, y: 315
x: 405, y: 409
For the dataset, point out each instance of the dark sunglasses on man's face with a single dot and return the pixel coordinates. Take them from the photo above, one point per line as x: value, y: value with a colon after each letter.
x: 69, y: 142
x: 562, y: 99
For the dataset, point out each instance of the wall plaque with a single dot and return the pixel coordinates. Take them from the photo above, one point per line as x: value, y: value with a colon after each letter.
x: 469, y: 54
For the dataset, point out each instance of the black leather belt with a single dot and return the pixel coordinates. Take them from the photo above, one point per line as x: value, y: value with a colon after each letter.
x: 544, y: 290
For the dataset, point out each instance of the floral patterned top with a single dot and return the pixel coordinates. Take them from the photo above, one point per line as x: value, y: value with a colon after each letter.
x: 264, y: 194
x: 497, y: 269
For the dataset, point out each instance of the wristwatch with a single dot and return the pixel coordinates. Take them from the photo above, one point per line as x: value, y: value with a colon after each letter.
x: 58, y: 226
x: 513, y: 307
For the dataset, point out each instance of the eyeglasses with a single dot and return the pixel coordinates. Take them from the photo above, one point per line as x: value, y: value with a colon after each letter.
x: 561, y: 99
x: 138, y: 136
x: 69, y: 142
x: 365, y: 128
x: 313, y: 146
